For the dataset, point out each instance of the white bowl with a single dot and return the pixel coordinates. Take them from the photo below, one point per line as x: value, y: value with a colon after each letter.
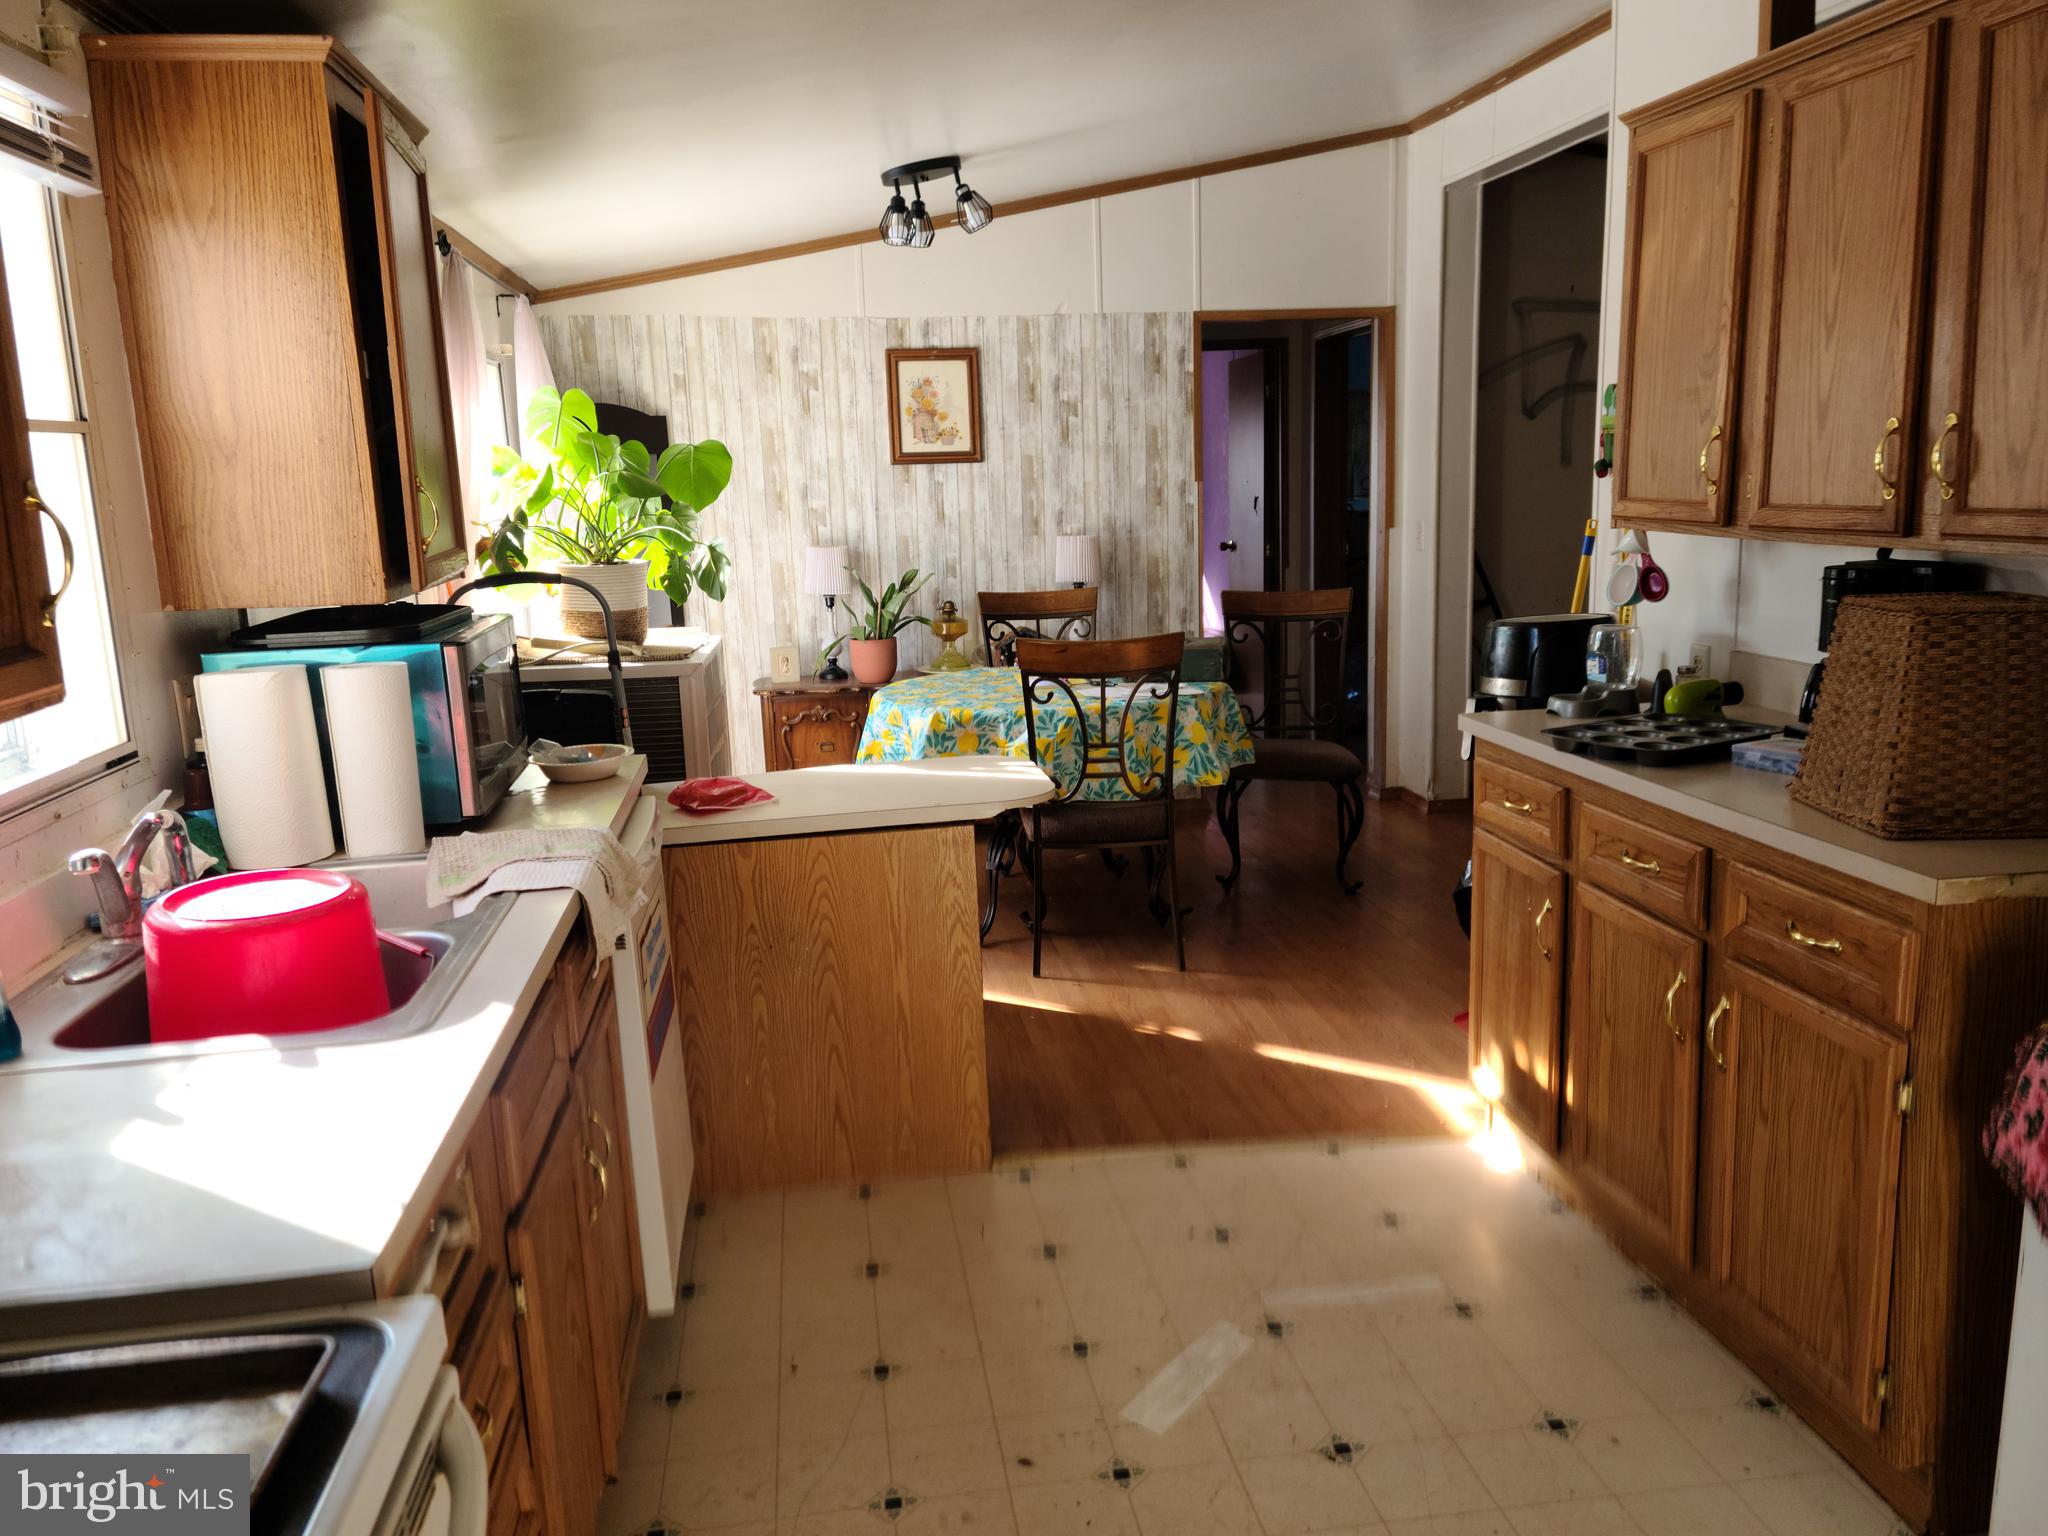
x: 582, y: 764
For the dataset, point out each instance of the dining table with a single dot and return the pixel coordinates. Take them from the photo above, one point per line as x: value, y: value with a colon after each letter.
x: 979, y: 712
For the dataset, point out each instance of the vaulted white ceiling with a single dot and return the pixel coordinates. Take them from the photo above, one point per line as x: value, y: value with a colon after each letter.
x: 577, y: 139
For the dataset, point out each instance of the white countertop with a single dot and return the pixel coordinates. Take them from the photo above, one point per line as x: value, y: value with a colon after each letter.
x: 260, y: 1180
x: 858, y: 797
x: 1754, y: 804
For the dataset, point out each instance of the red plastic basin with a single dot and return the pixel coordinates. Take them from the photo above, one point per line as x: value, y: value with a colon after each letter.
x: 268, y: 952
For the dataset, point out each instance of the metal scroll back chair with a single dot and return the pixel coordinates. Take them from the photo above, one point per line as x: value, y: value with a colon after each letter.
x: 1282, y: 630
x: 1108, y: 684
x: 1064, y: 613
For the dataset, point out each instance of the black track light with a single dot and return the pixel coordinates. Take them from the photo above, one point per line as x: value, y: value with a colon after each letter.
x: 975, y: 213
x: 895, y: 226
x: 910, y: 224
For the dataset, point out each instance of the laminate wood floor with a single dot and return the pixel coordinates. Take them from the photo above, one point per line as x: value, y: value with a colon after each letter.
x: 1303, y: 1011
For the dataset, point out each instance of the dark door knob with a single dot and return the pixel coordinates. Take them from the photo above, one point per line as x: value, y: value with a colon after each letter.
x: 1228, y: 546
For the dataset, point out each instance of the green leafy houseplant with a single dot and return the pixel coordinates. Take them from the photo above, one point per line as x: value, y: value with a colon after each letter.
x: 593, y: 500
x: 879, y: 618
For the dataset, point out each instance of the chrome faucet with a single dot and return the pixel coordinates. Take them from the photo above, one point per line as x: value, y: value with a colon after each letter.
x: 117, y: 886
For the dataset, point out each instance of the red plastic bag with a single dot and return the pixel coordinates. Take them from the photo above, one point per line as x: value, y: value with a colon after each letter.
x: 720, y: 793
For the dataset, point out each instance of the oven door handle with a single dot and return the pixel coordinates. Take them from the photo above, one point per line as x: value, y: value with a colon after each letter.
x: 466, y: 1467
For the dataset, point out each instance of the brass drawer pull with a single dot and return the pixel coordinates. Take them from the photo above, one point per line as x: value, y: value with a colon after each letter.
x: 604, y: 1184
x: 603, y: 1131
x: 1944, y: 474
x: 1545, y: 912
x: 34, y: 504
x: 1877, y: 459
x: 481, y: 1412
x: 1671, y: 1008
x: 433, y: 506
x: 1832, y: 946
x: 1647, y: 866
x: 1519, y: 807
x: 1714, y: 1023
x: 1713, y: 485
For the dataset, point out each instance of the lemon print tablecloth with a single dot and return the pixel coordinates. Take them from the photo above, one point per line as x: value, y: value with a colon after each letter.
x: 980, y: 713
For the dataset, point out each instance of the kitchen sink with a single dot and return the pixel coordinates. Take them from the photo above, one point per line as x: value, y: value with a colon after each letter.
x: 426, y: 950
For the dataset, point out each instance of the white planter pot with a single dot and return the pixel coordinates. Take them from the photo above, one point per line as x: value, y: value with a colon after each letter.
x: 624, y: 586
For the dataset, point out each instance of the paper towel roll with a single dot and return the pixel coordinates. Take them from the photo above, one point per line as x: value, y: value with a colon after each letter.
x: 263, y: 758
x: 376, y: 762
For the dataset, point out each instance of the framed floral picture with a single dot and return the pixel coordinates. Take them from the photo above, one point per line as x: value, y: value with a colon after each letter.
x: 935, y: 405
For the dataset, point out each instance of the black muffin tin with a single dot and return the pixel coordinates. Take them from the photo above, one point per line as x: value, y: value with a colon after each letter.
x: 1668, y: 741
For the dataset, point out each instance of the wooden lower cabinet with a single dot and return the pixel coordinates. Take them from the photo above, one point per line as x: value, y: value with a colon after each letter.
x: 611, y: 1245
x: 515, y: 1505
x: 1766, y: 1081
x: 557, y: 1356
x: 1518, y: 937
x: 1632, y: 1067
x: 1799, y: 1158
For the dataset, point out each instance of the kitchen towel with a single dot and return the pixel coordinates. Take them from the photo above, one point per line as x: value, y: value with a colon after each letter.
x: 263, y: 757
x: 464, y: 870
x: 376, y: 760
x: 2016, y: 1140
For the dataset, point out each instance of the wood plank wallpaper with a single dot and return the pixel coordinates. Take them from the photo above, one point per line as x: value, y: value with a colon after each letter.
x: 1086, y: 428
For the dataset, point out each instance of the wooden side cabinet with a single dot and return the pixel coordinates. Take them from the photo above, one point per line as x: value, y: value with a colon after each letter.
x: 299, y: 306
x: 811, y: 722
x: 31, y: 672
x: 1518, y: 939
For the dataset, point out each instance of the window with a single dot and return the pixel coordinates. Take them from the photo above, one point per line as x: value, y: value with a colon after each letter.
x: 40, y: 750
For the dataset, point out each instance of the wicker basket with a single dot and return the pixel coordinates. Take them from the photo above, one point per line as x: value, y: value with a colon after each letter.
x: 1931, y: 720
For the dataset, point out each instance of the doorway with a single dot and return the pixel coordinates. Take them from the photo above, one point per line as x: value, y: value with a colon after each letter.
x: 1293, y: 418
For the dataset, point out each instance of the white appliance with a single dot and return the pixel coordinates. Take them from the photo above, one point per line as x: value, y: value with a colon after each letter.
x: 2020, y: 1493
x: 651, y: 1072
x: 408, y: 1432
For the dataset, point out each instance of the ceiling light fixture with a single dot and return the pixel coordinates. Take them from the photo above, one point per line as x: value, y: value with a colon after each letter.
x: 911, y: 224
x: 895, y: 225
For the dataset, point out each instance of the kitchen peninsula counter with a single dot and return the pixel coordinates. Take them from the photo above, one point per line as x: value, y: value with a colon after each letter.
x: 828, y: 971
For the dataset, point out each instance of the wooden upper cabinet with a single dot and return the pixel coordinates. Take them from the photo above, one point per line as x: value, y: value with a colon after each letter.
x: 1632, y: 1084
x: 1686, y: 262
x: 1517, y: 990
x: 281, y: 319
x: 1800, y: 1157
x: 1981, y: 461
x: 438, y: 542
x: 31, y: 673
x: 1832, y: 367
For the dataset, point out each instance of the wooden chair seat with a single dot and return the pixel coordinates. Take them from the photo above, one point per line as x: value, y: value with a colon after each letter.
x: 1300, y: 759
x: 1104, y: 823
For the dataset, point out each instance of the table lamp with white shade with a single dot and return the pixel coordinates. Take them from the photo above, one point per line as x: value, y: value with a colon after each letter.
x: 825, y: 576
x: 1077, y: 560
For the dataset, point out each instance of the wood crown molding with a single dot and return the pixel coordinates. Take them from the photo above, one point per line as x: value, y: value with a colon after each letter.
x: 1555, y: 48
x: 484, y: 261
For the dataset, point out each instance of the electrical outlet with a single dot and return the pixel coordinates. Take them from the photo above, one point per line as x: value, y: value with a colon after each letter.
x: 1702, y: 662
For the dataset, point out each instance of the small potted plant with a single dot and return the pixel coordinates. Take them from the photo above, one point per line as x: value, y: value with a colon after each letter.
x: 619, y: 518
x: 870, y: 638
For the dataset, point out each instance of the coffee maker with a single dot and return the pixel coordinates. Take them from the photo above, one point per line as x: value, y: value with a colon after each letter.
x: 1862, y: 578
x: 1524, y: 661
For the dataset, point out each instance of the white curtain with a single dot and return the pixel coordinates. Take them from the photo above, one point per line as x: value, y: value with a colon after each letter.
x: 530, y: 367
x: 470, y: 391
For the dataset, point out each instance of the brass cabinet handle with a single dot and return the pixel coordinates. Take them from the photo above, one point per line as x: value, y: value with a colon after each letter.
x: 604, y: 1184
x: 1519, y: 807
x: 34, y: 504
x: 1713, y: 485
x: 1877, y: 459
x: 605, y: 1132
x: 1713, y: 1024
x: 1950, y: 427
x: 1647, y: 866
x: 1832, y: 946
x: 480, y: 1411
x: 1671, y: 1008
x: 433, y: 506
x: 1545, y: 912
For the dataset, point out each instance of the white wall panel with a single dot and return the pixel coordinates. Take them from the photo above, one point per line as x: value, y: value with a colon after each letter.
x: 822, y: 283
x: 1301, y: 234
x: 1027, y: 264
x: 1148, y: 249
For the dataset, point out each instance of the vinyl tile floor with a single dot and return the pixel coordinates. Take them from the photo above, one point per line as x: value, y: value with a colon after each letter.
x: 1391, y: 1338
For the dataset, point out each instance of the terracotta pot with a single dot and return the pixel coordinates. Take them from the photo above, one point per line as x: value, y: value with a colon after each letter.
x: 624, y: 586
x: 873, y: 661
